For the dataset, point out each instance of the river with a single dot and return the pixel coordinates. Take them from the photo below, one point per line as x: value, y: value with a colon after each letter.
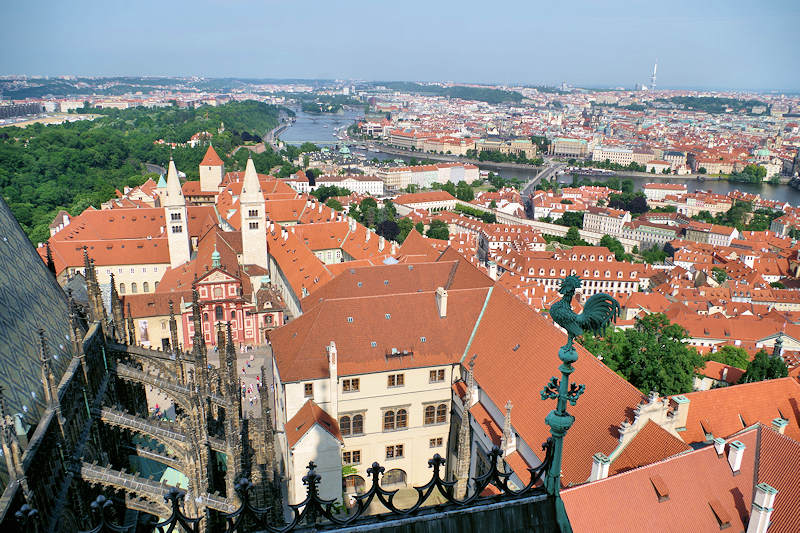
x: 321, y: 129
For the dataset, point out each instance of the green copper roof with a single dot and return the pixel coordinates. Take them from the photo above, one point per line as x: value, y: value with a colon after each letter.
x: 162, y: 183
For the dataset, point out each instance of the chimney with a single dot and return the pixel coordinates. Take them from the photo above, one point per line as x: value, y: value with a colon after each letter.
x: 719, y: 446
x: 600, y: 464
x: 492, y: 270
x: 680, y: 411
x: 333, y: 380
x: 779, y: 424
x: 735, y: 455
x: 381, y: 244
x: 441, y: 301
x: 763, y: 498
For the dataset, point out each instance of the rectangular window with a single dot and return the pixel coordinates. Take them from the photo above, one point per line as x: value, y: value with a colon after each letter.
x: 308, y: 390
x: 437, y: 376
x: 350, y: 385
x: 254, y: 225
x: 436, y: 443
x: 352, y: 457
x: 394, y: 452
x: 395, y: 380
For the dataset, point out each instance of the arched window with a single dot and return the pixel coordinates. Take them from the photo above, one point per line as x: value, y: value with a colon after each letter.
x: 354, y: 484
x: 430, y: 414
x: 122, y: 288
x: 394, y: 478
x: 441, y: 413
x: 146, y: 287
x: 344, y: 425
x: 358, y: 424
x: 205, y: 317
x: 134, y: 290
x: 233, y: 315
x: 402, y: 418
x: 219, y: 314
x: 388, y: 420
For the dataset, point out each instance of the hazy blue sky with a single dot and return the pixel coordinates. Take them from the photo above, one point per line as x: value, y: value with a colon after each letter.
x: 698, y: 43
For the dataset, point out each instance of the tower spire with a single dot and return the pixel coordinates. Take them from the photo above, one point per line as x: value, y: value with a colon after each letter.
x: 48, y: 379
x: 507, y: 441
x: 464, y: 440
x: 131, y: 330
x: 51, y: 266
x: 198, y: 341
x: 117, y: 314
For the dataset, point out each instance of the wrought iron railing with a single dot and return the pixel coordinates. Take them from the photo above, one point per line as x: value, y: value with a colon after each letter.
x: 324, y: 513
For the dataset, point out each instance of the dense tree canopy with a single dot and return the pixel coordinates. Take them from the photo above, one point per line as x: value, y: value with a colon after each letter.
x: 731, y: 356
x: 764, y: 366
x: 76, y: 164
x: 438, y: 230
x: 652, y: 355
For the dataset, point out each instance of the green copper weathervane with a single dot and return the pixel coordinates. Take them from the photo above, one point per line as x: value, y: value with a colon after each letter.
x: 600, y: 311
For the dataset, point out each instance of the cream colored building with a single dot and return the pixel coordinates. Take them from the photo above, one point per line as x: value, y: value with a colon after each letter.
x: 569, y: 147
x: 398, y: 417
x: 614, y: 154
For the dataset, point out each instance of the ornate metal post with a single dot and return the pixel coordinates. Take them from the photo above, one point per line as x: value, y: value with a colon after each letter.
x: 600, y: 311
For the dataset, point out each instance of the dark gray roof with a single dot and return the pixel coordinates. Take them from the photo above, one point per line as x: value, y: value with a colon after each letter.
x: 30, y: 298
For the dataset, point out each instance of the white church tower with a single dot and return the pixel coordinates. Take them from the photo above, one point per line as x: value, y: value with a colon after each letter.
x: 212, y: 170
x: 253, y: 213
x: 177, y: 223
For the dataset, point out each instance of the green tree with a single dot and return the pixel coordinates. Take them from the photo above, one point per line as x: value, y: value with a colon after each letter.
x: 701, y: 170
x: 464, y: 191
x: 404, y: 227
x: 653, y: 255
x: 420, y: 227
x: 438, y: 230
x: 652, y: 355
x: 492, y: 205
x: 764, y: 366
x: 333, y: 203
x: 615, y: 247
x: 719, y: 275
x: 327, y: 191
x: 571, y: 219
x: 573, y: 237
x: 730, y: 355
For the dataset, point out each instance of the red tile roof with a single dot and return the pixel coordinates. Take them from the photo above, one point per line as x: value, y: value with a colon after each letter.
x: 650, y: 445
x: 423, y: 197
x: 306, y: 418
x: 506, y: 373
x: 629, y: 502
x: 211, y: 158
x: 354, y: 323
x: 779, y: 467
x: 726, y: 410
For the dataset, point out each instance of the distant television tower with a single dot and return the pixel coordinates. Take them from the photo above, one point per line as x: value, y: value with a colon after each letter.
x: 653, y: 77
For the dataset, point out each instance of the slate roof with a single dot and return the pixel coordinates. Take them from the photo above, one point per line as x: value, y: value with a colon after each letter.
x: 31, y: 299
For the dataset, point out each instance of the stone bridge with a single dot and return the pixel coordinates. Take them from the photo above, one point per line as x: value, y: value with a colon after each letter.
x: 158, y: 456
x: 167, y: 434
x: 148, y: 492
x: 181, y: 394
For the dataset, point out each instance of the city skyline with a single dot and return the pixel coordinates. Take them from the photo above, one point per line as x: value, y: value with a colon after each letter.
x: 720, y: 46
